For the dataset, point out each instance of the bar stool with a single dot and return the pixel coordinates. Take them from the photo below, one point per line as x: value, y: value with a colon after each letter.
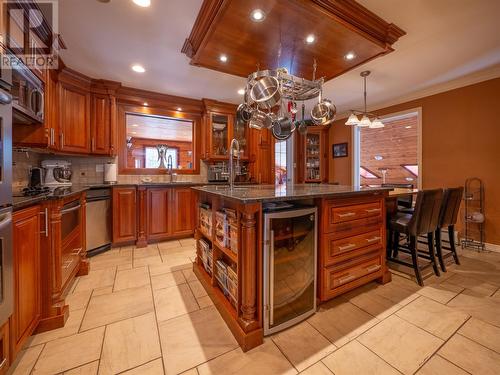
x: 404, y: 203
x: 423, y: 221
x: 448, y: 215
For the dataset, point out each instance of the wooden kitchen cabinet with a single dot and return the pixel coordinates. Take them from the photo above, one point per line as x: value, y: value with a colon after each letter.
x: 5, y: 358
x: 74, y: 118
x: 311, y: 156
x: 261, y: 156
x: 100, y: 125
x: 27, y: 276
x: 183, y: 202
x: 124, y: 215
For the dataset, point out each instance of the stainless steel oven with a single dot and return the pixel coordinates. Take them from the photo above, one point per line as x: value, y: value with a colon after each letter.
x: 71, y: 237
x: 5, y: 149
x: 28, y: 96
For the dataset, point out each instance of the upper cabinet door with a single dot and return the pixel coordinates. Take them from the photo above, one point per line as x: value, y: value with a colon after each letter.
x: 100, y: 125
x: 74, y: 124
x: 219, y: 125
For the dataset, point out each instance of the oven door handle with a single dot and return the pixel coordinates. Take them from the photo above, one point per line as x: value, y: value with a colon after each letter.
x: 5, y: 220
x: 71, y: 209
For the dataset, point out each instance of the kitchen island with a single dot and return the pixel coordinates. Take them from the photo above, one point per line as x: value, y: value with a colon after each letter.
x: 351, y: 241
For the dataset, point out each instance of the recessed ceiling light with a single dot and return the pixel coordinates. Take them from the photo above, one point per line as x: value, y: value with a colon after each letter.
x: 241, y: 91
x: 408, y: 127
x: 145, y: 104
x: 223, y: 58
x: 179, y: 109
x: 349, y: 56
x: 135, y: 125
x: 378, y: 157
x: 257, y: 15
x: 138, y: 68
x: 133, y: 132
x: 310, y: 39
x: 142, y: 3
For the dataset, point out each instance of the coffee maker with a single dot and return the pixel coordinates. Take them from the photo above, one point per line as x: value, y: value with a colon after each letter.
x: 57, y: 173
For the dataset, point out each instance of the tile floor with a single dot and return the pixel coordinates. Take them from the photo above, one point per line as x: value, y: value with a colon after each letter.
x: 142, y: 311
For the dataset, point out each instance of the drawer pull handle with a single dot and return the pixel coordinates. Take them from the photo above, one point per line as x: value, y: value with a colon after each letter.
x: 77, y: 252
x: 373, y: 239
x: 67, y: 264
x: 348, y: 246
x: 347, y: 214
x: 346, y: 279
x: 2, y: 364
x: 373, y: 268
x: 370, y: 210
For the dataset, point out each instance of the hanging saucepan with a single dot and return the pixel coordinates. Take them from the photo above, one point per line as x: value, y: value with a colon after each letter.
x: 260, y: 120
x: 332, y: 111
x: 266, y: 92
x: 283, y: 127
x: 324, y: 112
x: 244, y: 112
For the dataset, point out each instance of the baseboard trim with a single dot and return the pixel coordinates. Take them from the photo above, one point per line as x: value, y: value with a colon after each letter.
x: 492, y: 247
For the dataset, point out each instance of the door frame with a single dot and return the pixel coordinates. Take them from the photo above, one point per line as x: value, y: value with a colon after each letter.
x: 355, y: 135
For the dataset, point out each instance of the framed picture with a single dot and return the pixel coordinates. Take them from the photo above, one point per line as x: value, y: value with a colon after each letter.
x: 339, y: 150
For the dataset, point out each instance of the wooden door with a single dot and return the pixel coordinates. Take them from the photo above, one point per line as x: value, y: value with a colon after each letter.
x: 182, y: 211
x: 100, y: 125
x: 74, y: 124
x: 4, y: 348
x: 124, y: 215
x: 158, y: 213
x: 27, y: 281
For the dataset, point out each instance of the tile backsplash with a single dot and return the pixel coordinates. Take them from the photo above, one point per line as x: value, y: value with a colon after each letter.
x: 87, y: 170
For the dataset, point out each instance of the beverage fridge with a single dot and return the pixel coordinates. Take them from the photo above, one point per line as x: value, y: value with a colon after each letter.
x: 290, y: 248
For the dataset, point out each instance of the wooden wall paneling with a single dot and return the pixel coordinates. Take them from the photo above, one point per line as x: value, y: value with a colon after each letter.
x: 27, y: 277
x: 124, y: 215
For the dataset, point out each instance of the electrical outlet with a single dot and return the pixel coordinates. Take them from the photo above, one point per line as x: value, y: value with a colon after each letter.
x: 99, y: 167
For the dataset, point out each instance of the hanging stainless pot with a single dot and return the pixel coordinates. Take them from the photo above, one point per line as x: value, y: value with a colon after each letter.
x: 260, y: 120
x: 266, y: 92
x: 324, y: 112
x: 244, y: 112
x: 283, y: 127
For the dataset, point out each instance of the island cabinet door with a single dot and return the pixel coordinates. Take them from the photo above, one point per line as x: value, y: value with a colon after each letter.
x: 182, y: 211
x: 26, y: 245
x: 159, y: 212
x: 124, y: 215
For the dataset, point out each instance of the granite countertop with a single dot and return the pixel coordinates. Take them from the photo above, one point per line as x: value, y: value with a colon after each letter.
x: 270, y: 193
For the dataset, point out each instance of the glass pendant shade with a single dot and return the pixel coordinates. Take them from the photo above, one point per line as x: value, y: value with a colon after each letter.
x: 352, y: 120
x: 376, y: 124
x: 365, y: 122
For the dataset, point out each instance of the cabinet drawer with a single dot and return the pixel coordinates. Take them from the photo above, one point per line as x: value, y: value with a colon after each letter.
x: 336, y: 278
x: 336, y: 247
x: 348, y: 213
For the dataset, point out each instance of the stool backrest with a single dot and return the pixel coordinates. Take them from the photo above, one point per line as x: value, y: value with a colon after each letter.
x: 406, y: 201
x: 452, y: 197
x: 425, y: 218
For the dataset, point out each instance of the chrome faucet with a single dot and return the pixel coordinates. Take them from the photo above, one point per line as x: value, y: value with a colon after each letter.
x: 170, y: 168
x: 234, y: 141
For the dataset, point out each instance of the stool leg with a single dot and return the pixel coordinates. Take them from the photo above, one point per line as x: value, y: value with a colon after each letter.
x: 395, y: 245
x: 414, y: 258
x: 451, y: 233
x: 430, y: 244
x: 438, y: 250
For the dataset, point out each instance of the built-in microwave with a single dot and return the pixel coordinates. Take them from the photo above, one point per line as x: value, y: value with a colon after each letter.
x: 27, y: 96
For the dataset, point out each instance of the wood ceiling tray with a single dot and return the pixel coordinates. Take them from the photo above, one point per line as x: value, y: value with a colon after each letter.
x: 224, y: 27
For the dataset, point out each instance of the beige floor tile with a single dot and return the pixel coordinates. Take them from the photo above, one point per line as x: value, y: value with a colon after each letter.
x: 303, y: 345
x: 355, y: 359
x: 176, y: 262
x: 483, y: 308
x: 160, y: 269
x: 188, y: 242
x: 129, y: 343
x: 264, y: 359
x: 169, y: 244
x: 88, y: 369
x: 189, y: 275
x: 151, y: 368
x: 204, y: 301
x: 78, y: 300
x: 479, y: 287
x: 399, y: 290
x: 25, y: 360
x: 175, y: 250
x: 441, y: 293
x: 192, y: 339
x: 192, y: 371
x: 439, y: 366
x: 434, y: 317
x: 400, y: 343
x: 174, y: 301
x: 166, y: 280
x: 317, y: 369
x: 471, y: 356
x: 110, y: 308
x: 148, y: 251
x: 197, y: 289
x: 96, y: 279
x: 111, y: 258
x: 70, y: 352
x: 125, y: 266
x: 102, y: 291
x: 70, y: 328
x: 340, y: 321
x: 368, y: 300
x: 482, y: 333
x: 131, y: 278
x: 147, y: 261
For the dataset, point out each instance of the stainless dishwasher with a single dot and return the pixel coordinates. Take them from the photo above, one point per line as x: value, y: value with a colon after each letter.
x: 98, y: 221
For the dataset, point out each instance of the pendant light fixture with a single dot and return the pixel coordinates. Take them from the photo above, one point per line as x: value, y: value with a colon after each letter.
x: 368, y: 119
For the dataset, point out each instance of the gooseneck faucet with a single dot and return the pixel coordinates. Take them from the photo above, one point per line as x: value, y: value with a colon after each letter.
x: 234, y: 142
x: 170, y: 168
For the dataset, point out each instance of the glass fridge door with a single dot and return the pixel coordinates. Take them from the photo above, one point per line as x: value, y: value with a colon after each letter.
x: 291, y: 267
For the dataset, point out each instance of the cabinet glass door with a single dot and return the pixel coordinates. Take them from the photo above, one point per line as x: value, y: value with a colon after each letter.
x: 291, y: 268
x: 220, y: 135
x: 313, y: 158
